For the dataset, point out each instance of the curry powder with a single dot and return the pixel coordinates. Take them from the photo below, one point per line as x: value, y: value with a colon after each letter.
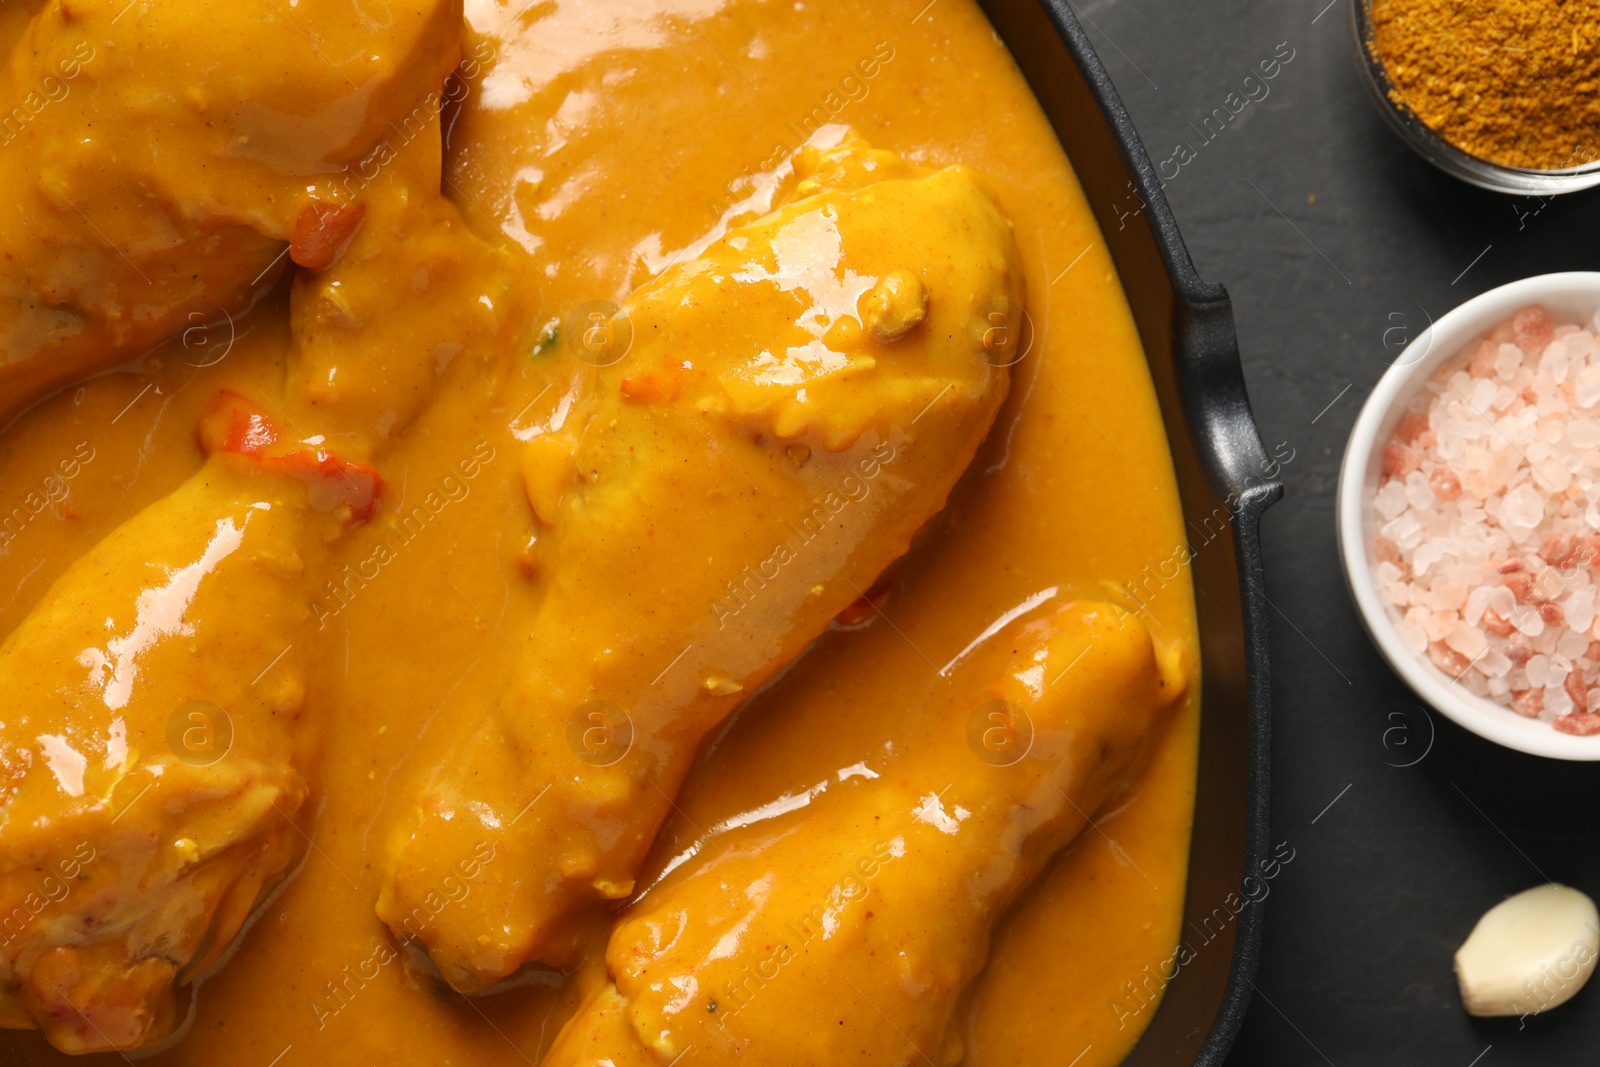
x: 1514, y: 82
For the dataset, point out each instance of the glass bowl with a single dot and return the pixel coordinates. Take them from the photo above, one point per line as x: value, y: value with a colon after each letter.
x: 1435, y: 149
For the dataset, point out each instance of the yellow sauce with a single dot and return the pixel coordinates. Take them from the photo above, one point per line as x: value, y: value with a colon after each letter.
x: 602, y: 139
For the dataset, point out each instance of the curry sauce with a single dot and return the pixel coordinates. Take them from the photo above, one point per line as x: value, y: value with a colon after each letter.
x: 588, y: 149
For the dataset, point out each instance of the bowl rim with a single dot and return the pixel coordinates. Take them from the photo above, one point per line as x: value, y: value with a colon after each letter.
x: 1443, y: 340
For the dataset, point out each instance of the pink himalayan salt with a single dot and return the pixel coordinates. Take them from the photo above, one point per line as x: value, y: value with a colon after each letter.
x: 1582, y: 723
x: 1487, y: 515
x: 1532, y: 329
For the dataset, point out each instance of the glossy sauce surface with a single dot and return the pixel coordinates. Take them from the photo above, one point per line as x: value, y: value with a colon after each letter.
x: 604, y: 140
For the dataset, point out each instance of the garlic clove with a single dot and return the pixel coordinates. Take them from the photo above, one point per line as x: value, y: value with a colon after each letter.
x: 1530, y: 952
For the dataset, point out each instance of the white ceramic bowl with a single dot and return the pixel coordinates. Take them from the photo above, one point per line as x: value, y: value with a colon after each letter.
x: 1569, y: 297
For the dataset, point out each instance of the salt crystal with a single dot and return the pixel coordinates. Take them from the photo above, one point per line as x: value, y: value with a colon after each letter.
x: 1586, y: 386
x: 1551, y: 476
x: 1477, y: 601
x: 1572, y: 644
x: 1494, y: 663
x: 1448, y: 596
x: 1557, y: 700
x: 1467, y: 640
x: 1498, y: 687
x: 1579, y: 610
x: 1538, y: 668
x: 1418, y: 493
x: 1583, y: 434
x: 1523, y: 506
x: 1527, y: 620
x: 1416, y: 638
x: 1507, y: 361
x: 1391, y: 499
x: 1482, y: 394
x: 1440, y: 623
x: 1480, y: 484
x: 1406, y: 531
x: 1388, y: 573
x: 1553, y: 363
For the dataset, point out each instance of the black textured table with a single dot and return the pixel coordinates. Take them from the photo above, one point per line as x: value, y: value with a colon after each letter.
x: 1335, y: 243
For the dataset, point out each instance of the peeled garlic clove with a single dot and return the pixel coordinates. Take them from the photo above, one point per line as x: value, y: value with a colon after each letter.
x: 1530, y: 952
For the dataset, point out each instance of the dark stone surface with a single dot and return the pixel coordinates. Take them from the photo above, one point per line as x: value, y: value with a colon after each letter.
x: 1328, y: 232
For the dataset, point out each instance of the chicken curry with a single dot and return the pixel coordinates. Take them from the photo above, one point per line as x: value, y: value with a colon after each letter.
x: 583, y: 534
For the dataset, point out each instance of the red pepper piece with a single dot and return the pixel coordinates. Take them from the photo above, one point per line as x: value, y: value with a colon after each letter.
x: 235, y: 424
x: 322, y: 230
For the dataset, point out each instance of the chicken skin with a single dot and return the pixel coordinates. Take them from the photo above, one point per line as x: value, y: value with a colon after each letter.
x: 770, y: 424
x: 177, y: 851
x: 156, y: 741
x: 372, y: 341
x: 158, y: 167
x: 845, y: 932
x: 128, y: 862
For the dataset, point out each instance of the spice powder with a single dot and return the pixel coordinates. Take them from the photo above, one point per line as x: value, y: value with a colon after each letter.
x: 1514, y: 82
